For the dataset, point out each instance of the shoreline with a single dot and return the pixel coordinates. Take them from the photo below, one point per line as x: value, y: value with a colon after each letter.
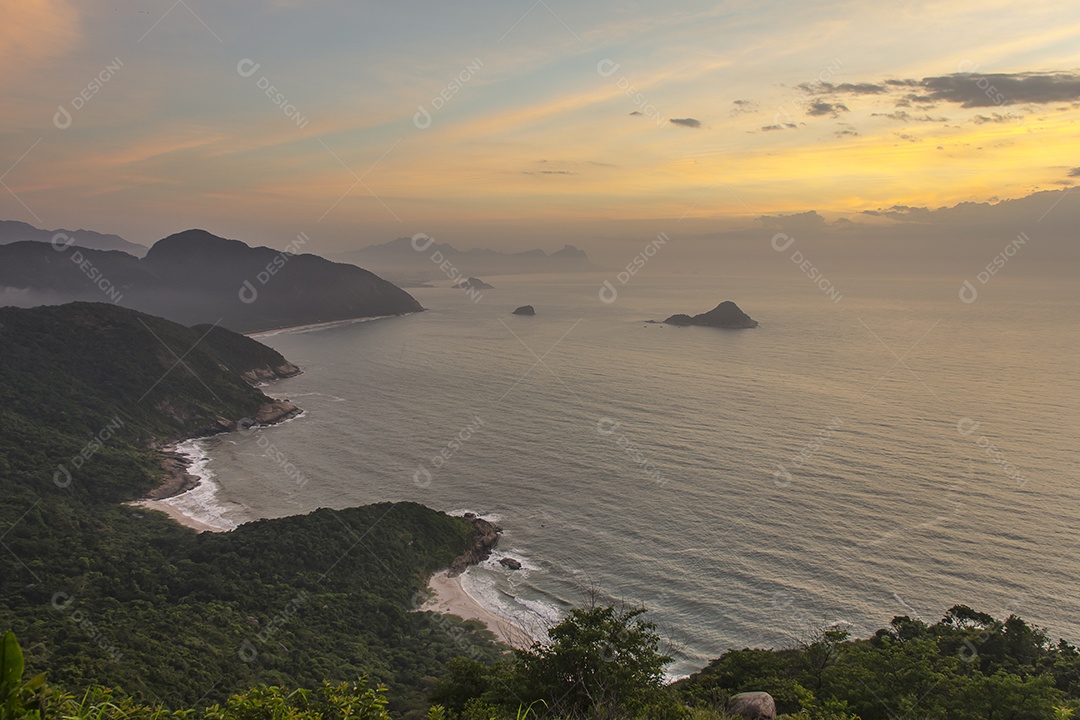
x: 177, y: 515
x: 186, y: 475
x: 270, y: 332
x: 451, y: 598
x: 181, y: 461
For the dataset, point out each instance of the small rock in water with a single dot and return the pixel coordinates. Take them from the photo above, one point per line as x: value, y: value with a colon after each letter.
x: 510, y: 563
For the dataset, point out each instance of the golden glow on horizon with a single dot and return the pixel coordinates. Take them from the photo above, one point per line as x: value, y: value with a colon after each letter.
x: 538, y: 131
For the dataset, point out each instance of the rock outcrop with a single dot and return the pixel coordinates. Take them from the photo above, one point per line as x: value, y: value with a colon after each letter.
x: 275, y: 411
x: 752, y: 705
x: 268, y: 373
x: 725, y: 315
x: 485, y: 538
x: 525, y: 310
x: 510, y: 563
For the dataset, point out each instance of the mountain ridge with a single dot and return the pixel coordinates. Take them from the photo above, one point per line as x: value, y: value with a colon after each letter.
x: 12, y: 231
x: 417, y: 259
x: 195, y: 277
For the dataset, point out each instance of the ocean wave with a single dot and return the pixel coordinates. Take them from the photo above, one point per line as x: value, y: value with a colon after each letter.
x: 201, y: 502
x: 462, y: 512
x: 311, y: 327
x: 488, y: 588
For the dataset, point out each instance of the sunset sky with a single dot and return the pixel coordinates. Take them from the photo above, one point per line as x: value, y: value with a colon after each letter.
x: 467, y: 120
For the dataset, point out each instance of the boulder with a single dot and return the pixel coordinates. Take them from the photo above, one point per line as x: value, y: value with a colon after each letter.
x: 752, y: 705
x: 510, y: 563
x: 525, y: 310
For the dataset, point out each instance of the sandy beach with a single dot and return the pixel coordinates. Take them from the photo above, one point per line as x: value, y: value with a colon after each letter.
x: 450, y: 598
x: 175, y: 513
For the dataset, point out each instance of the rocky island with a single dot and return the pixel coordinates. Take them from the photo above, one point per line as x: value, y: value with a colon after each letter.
x: 473, y: 283
x: 725, y: 315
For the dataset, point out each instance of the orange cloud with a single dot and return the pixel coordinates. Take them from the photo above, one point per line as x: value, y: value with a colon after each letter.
x: 35, y: 30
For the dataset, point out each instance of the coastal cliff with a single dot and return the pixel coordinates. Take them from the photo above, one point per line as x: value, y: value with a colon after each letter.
x: 485, y: 538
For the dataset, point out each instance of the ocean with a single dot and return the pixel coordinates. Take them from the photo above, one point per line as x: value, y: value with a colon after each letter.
x: 886, y: 450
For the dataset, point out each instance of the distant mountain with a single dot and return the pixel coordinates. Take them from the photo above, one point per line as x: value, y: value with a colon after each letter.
x: 414, y: 261
x: 12, y: 231
x: 195, y: 277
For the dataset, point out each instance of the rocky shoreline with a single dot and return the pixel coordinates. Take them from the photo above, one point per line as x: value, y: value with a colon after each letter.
x: 175, y: 465
x: 485, y: 538
x: 266, y: 374
x: 177, y: 478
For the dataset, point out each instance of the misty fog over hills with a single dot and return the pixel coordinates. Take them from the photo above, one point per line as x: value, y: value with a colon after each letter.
x: 12, y: 231
x: 421, y: 258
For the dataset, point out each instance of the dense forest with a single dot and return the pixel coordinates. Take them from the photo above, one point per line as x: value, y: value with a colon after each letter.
x: 100, y: 592
x: 604, y: 662
x: 117, y: 612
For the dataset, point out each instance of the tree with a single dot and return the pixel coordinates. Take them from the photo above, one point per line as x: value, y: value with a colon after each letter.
x: 18, y: 699
x: 598, y: 662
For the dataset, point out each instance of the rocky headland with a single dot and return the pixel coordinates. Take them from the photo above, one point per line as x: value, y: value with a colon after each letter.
x: 485, y: 539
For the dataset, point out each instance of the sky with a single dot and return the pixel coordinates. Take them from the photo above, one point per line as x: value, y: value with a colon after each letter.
x: 531, y: 123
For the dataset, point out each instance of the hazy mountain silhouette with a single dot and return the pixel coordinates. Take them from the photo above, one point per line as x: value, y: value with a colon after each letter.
x: 196, y: 277
x: 402, y: 260
x: 12, y: 231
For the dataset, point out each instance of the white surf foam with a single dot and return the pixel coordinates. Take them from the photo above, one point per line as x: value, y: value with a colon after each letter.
x: 201, y: 502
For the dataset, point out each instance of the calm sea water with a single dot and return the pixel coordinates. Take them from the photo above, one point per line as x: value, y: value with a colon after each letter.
x: 896, y: 452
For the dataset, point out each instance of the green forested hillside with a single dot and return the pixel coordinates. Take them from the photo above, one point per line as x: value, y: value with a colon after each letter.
x: 132, y: 615
x: 102, y: 592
